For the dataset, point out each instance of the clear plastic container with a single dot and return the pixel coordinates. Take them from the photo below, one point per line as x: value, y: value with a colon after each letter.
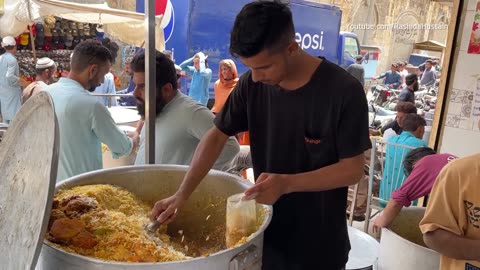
x: 241, y: 219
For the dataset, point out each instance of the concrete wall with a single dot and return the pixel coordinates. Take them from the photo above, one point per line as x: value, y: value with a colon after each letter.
x: 460, y: 128
x: 382, y: 15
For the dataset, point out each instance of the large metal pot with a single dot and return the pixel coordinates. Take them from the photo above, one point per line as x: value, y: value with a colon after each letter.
x: 154, y: 182
x: 402, y: 247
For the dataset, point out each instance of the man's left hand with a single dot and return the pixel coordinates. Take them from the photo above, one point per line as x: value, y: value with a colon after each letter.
x: 269, y: 187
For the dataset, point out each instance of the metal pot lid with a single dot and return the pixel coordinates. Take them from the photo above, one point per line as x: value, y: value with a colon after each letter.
x: 28, y: 162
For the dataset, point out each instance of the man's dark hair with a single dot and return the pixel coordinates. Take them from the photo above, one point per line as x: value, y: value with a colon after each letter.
x: 87, y: 53
x: 429, y: 61
x: 414, y: 156
x: 112, y: 47
x: 411, y: 78
x: 406, y: 107
x: 261, y: 25
x: 412, y: 122
x: 166, y: 72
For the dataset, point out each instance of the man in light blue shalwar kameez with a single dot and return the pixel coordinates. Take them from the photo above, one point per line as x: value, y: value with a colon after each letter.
x: 10, y: 90
x: 201, y: 76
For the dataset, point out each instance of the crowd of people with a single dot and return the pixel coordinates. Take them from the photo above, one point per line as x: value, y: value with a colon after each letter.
x: 288, y: 101
x: 411, y: 171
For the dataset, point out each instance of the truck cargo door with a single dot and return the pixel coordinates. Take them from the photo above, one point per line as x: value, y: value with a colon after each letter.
x: 349, y: 47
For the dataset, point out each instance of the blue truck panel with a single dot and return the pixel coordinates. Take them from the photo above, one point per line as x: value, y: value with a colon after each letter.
x: 205, y: 25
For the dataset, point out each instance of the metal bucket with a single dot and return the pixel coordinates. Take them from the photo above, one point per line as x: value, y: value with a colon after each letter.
x: 364, y: 252
x: 402, y: 247
x: 154, y: 182
x: 124, y: 116
x: 110, y: 162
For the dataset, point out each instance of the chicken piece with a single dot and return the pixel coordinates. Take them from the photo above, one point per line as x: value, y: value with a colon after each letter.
x: 84, y: 240
x: 65, y: 229
x: 78, y: 206
x: 54, y: 215
x: 55, y: 204
x: 65, y: 201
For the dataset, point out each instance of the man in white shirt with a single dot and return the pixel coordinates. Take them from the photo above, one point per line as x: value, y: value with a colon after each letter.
x: 181, y: 121
x: 45, y: 69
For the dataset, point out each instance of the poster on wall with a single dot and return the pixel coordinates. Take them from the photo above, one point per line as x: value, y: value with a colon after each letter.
x: 474, y: 44
x: 476, y: 100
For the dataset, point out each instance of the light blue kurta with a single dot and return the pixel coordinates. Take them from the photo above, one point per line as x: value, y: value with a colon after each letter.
x: 107, y: 87
x: 178, y: 129
x: 393, y: 172
x: 84, y: 123
x: 10, y: 90
x: 200, y: 79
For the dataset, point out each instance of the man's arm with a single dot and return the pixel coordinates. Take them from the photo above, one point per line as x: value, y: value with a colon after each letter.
x: 381, y: 76
x: 269, y: 187
x: 185, y: 65
x: 11, y: 76
x: 452, y: 245
x: 344, y: 173
x: 388, y: 215
x: 107, y: 131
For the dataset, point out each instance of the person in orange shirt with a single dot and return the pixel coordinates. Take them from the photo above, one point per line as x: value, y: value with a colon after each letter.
x: 227, y: 79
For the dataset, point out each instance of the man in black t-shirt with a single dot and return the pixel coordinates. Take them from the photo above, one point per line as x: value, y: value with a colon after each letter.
x: 408, y: 93
x: 308, y: 124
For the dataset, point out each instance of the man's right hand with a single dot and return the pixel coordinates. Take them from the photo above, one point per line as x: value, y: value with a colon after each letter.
x: 165, y: 211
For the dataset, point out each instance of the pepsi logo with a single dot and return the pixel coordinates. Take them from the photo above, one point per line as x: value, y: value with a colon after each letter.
x: 165, y: 7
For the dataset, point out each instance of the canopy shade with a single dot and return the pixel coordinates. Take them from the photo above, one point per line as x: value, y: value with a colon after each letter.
x: 127, y: 26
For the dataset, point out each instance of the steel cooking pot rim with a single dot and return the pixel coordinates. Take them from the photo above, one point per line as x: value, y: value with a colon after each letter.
x: 396, y: 235
x: 229, y: 177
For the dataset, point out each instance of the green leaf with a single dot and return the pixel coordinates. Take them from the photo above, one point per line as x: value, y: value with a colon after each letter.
x: 477, y: 16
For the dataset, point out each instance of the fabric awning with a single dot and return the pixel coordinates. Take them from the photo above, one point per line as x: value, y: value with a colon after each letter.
x: 126, y: 26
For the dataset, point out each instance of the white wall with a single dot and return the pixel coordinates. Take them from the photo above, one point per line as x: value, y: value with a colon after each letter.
x: 461, y: 130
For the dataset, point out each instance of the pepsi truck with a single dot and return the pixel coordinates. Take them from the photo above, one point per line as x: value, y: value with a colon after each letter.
x: 191, y: 26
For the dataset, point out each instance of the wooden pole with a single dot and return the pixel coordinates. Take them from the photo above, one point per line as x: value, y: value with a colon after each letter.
x: 34, y: 51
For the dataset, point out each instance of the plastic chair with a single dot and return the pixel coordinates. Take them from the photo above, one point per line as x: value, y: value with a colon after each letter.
x: 392, y: 181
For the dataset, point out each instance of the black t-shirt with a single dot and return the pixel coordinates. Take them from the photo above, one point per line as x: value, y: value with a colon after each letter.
x: 406, y: 95
x: 299, y: 131
x: 393, y: 125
